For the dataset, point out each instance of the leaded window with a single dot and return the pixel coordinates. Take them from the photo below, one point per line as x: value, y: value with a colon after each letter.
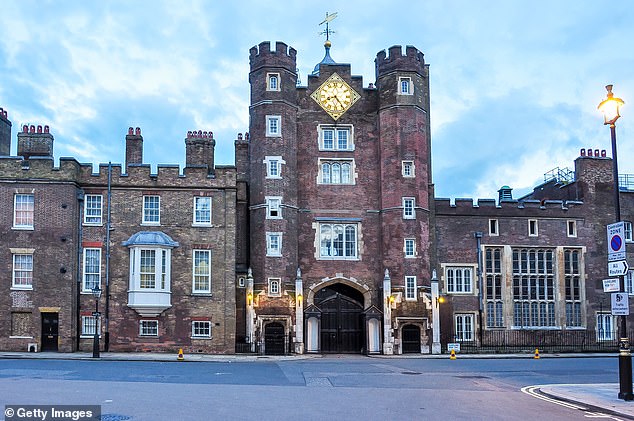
x: 493, y: 276
x: 459, y: 280
x: 533, y: 288
x: 573, y: 287
x: 338, y: 241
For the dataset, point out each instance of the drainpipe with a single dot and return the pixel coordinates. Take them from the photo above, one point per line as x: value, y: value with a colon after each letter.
x: 80, y: 234
x: 107, y: 317
x: 478, y: 237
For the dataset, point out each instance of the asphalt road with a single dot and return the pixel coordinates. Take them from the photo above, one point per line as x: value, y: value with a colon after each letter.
x: 328, y: 388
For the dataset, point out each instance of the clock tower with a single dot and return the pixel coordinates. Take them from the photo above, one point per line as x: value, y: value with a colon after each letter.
x: 338, y: 205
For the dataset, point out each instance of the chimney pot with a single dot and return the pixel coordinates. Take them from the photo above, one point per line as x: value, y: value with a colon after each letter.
x: 138, y: 131
x: 239, y: 136
x: 246, y: 136
x: 32, y: 128
x: 603, y: 154
x: 596, y: 153
x: 583, y: 152
x: 130, y: 131
x: 39, y: 129
x: 589, y: 152
x: 46, y: 129
x: 25, y: 129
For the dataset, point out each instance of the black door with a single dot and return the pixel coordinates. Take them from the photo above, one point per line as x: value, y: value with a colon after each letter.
x: 341, y: 323
x: 274, y: 339
x: 50, y: 331
x: 411, y: 339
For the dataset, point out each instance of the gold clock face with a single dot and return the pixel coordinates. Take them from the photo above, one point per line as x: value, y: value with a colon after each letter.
x: 335, y: 96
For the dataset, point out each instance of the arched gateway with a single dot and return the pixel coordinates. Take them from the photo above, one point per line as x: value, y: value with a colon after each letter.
x: 341, y: 319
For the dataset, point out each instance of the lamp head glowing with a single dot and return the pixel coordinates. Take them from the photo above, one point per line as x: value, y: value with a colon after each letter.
x: 611, y: 107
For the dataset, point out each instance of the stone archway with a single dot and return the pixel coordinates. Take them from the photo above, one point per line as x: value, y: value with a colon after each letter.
x: 362, y: 288
x: 342, y: 329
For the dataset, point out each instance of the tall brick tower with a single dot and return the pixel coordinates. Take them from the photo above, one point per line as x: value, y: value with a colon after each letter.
x: 405, y: 170
x: 339, y: 207
x: 273, y: 182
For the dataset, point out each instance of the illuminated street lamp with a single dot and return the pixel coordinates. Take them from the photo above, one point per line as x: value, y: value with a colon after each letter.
x: 611, y: 107
x: 96, y: 292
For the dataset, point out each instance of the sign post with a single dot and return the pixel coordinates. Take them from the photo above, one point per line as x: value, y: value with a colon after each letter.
x: 620, y: 304
x: 616, y: 243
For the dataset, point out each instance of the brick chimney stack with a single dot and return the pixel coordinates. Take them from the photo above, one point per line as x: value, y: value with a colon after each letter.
x: 199, y: 150
x: 5, y: 133
x: 35, y: 142
x: 133, y: 147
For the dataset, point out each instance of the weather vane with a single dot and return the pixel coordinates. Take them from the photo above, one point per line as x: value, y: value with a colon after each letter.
x: 328, y: 31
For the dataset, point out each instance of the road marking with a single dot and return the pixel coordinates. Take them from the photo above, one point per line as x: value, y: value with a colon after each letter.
x: 534, y: 391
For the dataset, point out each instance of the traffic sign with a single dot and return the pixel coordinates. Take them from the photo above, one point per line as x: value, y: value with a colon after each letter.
x: 620, y: 304
x: 616, y: 241
x: 611, y: 285
x: 617, y: 268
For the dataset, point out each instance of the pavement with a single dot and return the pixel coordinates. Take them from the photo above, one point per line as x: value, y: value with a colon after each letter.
x: 594, y: 399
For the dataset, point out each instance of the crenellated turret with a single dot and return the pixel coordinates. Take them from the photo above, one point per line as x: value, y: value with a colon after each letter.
x: 412, y: 61
x: 262, y: 56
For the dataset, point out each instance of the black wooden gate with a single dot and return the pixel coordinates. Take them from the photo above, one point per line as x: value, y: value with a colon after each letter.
x: 274, y: 339
x: 411, y: 339
x: 341, y: 319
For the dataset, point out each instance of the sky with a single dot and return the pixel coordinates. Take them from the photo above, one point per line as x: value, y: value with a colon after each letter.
x: 514, y: 84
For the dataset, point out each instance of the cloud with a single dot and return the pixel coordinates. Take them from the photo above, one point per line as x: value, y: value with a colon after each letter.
x: 514, y: 86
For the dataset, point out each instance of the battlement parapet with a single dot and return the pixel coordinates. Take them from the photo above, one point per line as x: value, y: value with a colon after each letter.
x: 262, y: 56
x: 486, y: 203
x: 38, y: 168
x: 488, y: 207
x: 138, y: 175
x: 412, y: 61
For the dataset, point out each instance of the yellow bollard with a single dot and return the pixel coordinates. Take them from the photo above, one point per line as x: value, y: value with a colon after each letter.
x: 536, y: 357
x: 453, y: 355
x: 180, y: 355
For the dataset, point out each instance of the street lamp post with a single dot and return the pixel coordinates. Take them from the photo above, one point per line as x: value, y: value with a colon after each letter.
x: 96, y: 292
x: 610, y: 107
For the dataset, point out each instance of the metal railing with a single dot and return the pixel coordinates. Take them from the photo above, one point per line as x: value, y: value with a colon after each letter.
x: 626, y: 182
x: 561, y: 175
x: 526, y: 341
